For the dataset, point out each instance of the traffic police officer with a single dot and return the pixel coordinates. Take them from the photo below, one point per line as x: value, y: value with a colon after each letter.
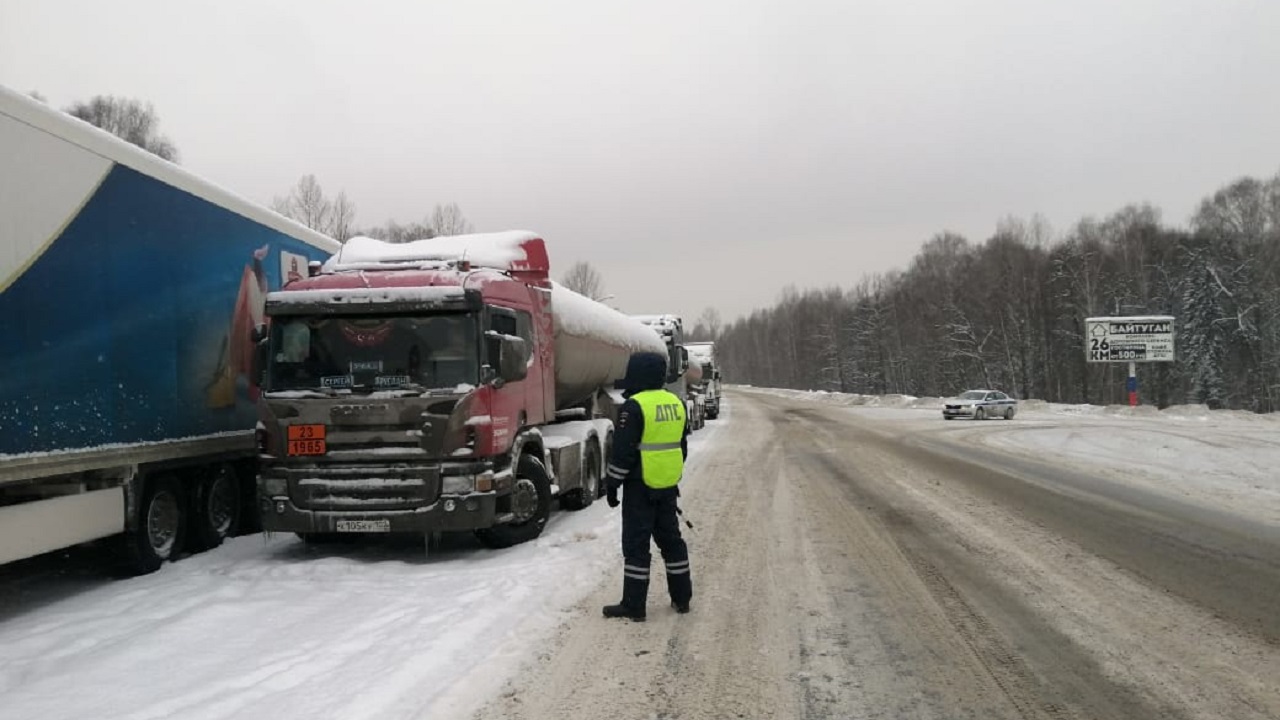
x: 650, y: 445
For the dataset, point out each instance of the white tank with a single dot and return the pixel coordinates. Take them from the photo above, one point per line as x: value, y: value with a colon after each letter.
x: 592, y: 343
x: 694, y: 374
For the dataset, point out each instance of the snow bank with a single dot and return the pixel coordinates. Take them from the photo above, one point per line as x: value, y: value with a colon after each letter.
x: 1189, y: 411
x: 853, y: 399
x: 502, y: 250
x: 1223, y: 460
x: 580, y: 316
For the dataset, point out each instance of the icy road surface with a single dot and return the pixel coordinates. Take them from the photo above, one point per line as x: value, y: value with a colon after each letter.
x: 878, y: 562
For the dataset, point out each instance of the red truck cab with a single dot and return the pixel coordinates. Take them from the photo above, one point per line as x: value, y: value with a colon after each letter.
x: 402, y: 391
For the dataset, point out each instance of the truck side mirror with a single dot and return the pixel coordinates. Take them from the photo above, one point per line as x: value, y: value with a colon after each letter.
x: 510, y: 356
x: 514, y: 363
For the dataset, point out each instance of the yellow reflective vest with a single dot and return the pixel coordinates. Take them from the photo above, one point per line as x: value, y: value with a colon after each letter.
x: 661, y: 459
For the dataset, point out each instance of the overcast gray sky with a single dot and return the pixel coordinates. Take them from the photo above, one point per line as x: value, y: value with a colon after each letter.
x: 698, y: 153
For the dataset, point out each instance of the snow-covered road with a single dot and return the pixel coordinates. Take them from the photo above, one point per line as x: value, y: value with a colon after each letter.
x: 878, y: 562
x: 854, y: 557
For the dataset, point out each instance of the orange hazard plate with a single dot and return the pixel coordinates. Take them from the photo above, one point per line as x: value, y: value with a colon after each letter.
x: 307, y: 440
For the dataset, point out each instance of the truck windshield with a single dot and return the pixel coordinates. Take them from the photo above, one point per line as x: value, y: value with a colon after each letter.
x: 367, y: 354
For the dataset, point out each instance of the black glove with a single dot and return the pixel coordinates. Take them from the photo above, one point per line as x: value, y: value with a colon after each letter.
x: 612, y: 497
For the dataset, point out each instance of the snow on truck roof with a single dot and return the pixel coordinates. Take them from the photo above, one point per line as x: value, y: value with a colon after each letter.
x: 666, y: 325
x: 515, y: 250
x: 659, y: 319
x: 363, y: 295
x: 702, y: 351
x: 581, y: 316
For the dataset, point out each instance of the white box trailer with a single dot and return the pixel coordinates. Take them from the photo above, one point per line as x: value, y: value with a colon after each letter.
x: 128, y: 287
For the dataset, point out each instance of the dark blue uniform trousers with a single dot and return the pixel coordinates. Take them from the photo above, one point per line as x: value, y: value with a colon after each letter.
x: 649, y: 513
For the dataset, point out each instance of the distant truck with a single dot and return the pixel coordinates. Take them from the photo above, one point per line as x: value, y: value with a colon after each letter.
x: 128, y: 289
x: 670, y: 328
x: 442, y: 385
x: 703, y: 355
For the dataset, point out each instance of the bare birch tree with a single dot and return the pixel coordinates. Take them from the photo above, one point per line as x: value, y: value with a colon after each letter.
x: 449, y: 220
x: 584, y: 279
x: 128, y: 119
x: 343, y: 217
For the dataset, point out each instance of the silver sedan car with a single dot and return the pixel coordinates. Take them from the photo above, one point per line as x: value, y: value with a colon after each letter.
x: 980, y: 405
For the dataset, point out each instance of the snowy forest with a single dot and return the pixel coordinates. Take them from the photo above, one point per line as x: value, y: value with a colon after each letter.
x: 1008, y: 313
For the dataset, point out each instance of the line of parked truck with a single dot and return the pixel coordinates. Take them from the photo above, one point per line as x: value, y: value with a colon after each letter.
x: 693, y: 375
x: 185, y: 365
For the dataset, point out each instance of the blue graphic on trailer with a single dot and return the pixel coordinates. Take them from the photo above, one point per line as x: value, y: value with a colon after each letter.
x: 134, y: 324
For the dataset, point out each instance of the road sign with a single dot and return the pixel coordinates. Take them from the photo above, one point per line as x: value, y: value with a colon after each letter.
x: 1129, y: 339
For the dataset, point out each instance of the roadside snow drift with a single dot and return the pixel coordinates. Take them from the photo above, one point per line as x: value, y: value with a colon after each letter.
x: 1228, y: 459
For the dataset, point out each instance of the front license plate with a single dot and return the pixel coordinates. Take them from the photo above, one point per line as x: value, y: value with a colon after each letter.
x: 364, y: 526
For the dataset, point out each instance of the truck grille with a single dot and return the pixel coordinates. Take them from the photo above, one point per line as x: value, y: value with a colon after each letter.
x: 363, y: 487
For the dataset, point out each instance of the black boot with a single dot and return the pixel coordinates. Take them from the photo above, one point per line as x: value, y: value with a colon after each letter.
x: 622, y: 610
x: 680, y: 585
x: 635, y: 595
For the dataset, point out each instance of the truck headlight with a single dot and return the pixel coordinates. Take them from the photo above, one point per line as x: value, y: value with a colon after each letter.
x: 458, y: 484
x: 273, y: 486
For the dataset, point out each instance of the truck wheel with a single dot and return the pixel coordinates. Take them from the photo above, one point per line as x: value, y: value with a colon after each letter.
x: 217, y: 507
x: 162, y: 517
x: 583, y: 497
x: 529, y: 501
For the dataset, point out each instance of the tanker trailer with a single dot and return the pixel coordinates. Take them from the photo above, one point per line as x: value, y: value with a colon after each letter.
x: 442, y: 385
x: 670, y: 328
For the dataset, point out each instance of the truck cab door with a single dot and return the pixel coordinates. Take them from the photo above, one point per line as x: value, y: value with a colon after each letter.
x: 508, y: 397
